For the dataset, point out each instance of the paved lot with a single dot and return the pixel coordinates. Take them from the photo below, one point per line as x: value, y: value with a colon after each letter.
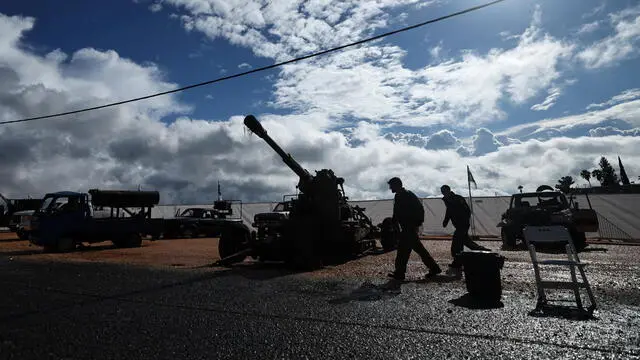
x: 164, y: 301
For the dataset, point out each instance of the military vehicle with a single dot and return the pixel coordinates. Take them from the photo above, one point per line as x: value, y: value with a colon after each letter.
x: 320, y: 227
x: 546, y: 207
x: 67, y: 219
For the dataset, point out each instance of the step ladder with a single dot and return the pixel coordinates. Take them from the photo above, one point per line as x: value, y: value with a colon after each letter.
x: 557, y: 235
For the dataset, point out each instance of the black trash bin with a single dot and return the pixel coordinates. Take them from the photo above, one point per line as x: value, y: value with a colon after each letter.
x: 482, y: 274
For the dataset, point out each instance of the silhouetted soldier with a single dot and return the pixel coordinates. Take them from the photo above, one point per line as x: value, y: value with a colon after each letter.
x: 408, y: 212
x: 459, y: 213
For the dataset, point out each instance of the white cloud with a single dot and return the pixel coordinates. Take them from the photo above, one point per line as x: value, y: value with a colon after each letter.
x: 283, y: 29
x: 624, y: 109
x: 435, y: 51
x: 155, y: 7
x: 621, y: 45
x: 484, y: 142
x: 589, y: 27
x: 443, y: 139
x: 549, y: 101
x: 371, y: 82
x: 627, y: 95
x: 596, y: 10
x: 610, y: 130
x: 245, y: 66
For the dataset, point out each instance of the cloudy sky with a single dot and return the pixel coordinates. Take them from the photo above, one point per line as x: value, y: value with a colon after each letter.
x: 524, y: 92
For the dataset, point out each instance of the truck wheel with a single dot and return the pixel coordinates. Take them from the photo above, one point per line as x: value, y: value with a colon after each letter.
x: 189, y: 233
x: 22, y: 235
x: 134, y: 240
x: 66, y: 244
x: 128, y: 241
x: 508, y: 239
x: 232, y: 241
x: 579, y: 240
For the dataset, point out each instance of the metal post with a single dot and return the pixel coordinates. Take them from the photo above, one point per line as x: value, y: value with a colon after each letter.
x: 473, y: 223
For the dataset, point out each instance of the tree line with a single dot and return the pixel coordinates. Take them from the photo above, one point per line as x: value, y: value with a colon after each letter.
x: 605, y: 174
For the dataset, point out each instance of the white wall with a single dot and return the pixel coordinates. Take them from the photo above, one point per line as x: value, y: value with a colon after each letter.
x: 623, y: 210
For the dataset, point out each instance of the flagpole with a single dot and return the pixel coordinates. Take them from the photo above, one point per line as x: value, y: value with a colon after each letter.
x: 473, y: 222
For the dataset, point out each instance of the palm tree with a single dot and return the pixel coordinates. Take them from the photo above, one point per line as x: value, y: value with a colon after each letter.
x: 586, y: 175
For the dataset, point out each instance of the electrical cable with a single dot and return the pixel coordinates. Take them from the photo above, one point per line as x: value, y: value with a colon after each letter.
x: 478, y: 7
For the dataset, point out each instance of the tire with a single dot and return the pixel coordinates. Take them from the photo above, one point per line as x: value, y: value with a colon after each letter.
x: 128, y: 241
x: 508, y: 239
x: 134, y: 240
x: 232, y: 241
x: 65, y: 244
x: 189, y: 233
x: 22, y: 235
x: 579, y: 240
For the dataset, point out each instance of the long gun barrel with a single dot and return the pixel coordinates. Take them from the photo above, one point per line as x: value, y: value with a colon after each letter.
x: 252, y: 123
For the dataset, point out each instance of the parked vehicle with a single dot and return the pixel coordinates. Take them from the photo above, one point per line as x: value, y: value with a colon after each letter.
x: 21, y: 223
x: 546, y: 207
x: 67, y: 218
x: 9, y: 207
x: 199, y: 221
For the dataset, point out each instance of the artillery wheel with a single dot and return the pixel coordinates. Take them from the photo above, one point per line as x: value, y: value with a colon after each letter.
x: 306, y: 254
x: 231, y: 242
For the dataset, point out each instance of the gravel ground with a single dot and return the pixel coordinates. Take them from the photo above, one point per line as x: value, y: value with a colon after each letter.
x: 164, y: 301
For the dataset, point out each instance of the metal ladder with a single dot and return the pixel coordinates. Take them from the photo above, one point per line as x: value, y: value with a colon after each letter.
x: 559, y: 235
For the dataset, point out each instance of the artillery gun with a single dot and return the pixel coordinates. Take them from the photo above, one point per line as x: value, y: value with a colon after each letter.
x: 321, y: 227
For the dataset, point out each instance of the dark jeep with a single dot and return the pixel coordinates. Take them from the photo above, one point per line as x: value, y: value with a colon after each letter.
x: 545, y: 207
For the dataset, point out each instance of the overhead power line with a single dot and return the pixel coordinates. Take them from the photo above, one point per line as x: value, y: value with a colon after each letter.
x: 258, y: 69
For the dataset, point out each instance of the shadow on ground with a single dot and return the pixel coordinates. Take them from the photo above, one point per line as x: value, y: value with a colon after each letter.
x: 550, y: 249
x: 470, y: 302
x: 253, y: 270
x: 36, y: 250
x: 563, y: 312
x: 370, y: 292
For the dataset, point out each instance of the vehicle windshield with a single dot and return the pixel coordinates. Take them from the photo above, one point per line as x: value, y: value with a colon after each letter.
x: 534, y: 200
x: 54, y: 203
x: 282, y: 207
x: 192, y: 213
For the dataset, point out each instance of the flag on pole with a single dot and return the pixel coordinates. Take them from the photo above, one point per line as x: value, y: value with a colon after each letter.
x: 470, y: 178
